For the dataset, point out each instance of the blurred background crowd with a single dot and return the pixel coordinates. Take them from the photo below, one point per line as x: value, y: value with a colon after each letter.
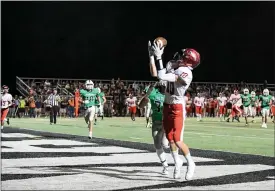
x: 116, y: 92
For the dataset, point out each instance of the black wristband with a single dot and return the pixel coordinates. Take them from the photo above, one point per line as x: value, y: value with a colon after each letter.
x: 159, y: 64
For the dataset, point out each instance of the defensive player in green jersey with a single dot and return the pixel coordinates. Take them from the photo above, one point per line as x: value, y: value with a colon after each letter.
x: 265, y: 101
x: 246, y: 100
x: 156, y: 98
x: 97, y: 91
x: 147, y: 111
x: 89, y: 97
x: 254, y: 105
x: 102, y: 100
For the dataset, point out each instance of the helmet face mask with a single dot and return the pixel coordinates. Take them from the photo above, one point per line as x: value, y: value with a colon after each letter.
x: 89, y: 85
x: 187, y: 57
x: 265, y: 92
x: 246, y: 91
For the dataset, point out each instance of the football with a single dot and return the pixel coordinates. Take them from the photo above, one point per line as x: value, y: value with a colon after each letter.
x: 162, y: 41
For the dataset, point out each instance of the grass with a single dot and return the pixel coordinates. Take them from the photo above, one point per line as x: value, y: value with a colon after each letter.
x: 209, y: 134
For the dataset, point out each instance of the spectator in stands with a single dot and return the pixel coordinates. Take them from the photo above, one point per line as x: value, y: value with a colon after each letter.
x: 17, y: 104
x: 12, y: 109
x: 71, y: 106
x: 31, y: 107
x: 38, y: 106
x: 63, y: 107
x: 22, y: 107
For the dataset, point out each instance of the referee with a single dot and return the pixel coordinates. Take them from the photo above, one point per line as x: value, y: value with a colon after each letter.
x: 53, y: 101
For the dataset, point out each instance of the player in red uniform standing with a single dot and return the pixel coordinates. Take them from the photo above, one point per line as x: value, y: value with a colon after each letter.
x: 6, y: 101
x: 178, y: 75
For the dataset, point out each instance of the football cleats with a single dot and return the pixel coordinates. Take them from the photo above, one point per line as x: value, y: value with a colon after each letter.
x: 246, y: 91
x: 266, y: 92
x: 187, y: 57
x: 89, y: 84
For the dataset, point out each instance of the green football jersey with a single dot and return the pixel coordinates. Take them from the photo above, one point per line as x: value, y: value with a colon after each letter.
x: 96, y: 91
x: 265, y: 101
x: 101, y: 95
x: 89, y: 97
x: 246, y: 99
x: 253, y: 101
x: 157, y: 100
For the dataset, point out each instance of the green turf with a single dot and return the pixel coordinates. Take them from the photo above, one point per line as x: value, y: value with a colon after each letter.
x: 208, y: 134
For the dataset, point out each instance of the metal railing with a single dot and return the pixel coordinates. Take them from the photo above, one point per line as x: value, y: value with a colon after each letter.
x: 22, y: 87
x: 63, y: 91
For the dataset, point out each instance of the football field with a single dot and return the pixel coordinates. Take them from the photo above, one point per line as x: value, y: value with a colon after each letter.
x: 39, y: 156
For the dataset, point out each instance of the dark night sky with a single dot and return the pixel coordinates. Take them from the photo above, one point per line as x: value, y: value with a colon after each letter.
x: 102, y: 40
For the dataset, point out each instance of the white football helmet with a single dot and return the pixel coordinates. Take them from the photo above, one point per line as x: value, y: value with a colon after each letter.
x: 89, y: 84
x: 246, y: 91
x: 253, y: 94
x: 266, y: 92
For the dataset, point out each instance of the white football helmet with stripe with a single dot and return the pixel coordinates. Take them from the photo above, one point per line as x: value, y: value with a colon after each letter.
x: 246, y: 91
x: 89, y: 84
x: 266, y: 92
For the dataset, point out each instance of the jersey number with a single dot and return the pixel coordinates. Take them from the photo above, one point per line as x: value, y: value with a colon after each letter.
x: 158, y: 104
x: 91, y: 98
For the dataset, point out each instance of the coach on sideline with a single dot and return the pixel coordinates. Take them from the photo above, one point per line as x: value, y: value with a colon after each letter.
x: 53, y: 100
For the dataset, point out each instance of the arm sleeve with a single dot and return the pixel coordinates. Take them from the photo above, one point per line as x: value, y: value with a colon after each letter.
x: 162, y: 75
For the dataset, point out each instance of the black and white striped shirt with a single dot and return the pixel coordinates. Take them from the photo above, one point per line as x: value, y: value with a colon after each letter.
x: 53, y: 100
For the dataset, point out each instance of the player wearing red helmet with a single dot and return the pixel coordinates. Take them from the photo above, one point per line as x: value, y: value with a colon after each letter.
x: 6, y: 102
x: 178, y: 74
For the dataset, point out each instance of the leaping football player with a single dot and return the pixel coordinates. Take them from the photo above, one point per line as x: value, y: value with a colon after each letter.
x: 178, y: 74
x: 265, y: 101
x: 89, y: 96
x: 6, y: 102
x: 246, y: 100
x: 254, y: 105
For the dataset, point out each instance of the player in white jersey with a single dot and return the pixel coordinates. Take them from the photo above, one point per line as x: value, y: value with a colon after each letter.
x: 199, y: 104
x: 221, y: 105
x: 131, y: 103
x: 178, y: 74
x: 235, y: 98
x: 6, y: 101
